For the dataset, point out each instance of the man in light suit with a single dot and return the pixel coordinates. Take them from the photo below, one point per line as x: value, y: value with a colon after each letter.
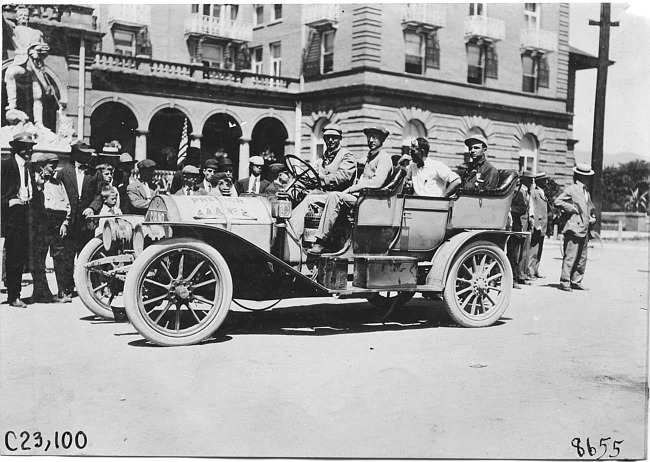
x: 575, y: 200
x: 254, y: 184
x: 539, y: 205
x: 141, y: 191
x: 17, y: 193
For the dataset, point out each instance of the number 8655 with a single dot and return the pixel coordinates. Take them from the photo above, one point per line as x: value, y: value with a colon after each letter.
x: 592, y: 451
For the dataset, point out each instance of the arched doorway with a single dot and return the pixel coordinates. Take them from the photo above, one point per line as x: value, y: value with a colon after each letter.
x: 317, y: 142
x: 165, y: 132
x: 113, y: 121
x: 412, y: 130
x: 221, y: 136
x: 268, y: 139
x: 528, y: 154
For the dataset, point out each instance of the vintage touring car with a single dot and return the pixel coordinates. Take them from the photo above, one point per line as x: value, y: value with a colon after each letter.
x: 181, y: 267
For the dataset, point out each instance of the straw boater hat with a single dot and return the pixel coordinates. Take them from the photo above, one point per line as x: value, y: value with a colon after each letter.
x: 583, y: 169
x: 22, y: 138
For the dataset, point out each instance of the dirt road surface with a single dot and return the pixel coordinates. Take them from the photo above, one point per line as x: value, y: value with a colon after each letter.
x: 326, y: 378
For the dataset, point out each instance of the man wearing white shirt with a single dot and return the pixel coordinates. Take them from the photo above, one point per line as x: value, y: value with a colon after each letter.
x: 429, y: 177
x: 17, y: 187
x: 254, y: 184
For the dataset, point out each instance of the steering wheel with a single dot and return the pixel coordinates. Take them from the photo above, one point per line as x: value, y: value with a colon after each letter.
x: 304, y: 177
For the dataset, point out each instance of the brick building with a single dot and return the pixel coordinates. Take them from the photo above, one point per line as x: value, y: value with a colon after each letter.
x: 260, y: 79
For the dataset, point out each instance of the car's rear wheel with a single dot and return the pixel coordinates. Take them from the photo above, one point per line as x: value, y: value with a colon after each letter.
x: 96, y: 290
x: 479, y: 285
x: 178, y: 292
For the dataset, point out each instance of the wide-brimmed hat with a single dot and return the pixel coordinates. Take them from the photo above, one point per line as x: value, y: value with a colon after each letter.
x: 471, y: 139
x: 44, y: 157
x: 256, y: 160
x: 528, y: 175
x: 82, y: 147
x: 125, y: 158
x: 190, y: 170
x: 332, y: 129
x: 382, y: 132
x: 146, y: 164
x: 583, y: 169
x: 22, y: 138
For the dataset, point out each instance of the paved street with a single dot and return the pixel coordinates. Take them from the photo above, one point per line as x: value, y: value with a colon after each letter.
x: 325, y: 378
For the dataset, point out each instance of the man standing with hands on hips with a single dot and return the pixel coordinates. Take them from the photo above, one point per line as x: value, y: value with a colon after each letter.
x: 575, y: 200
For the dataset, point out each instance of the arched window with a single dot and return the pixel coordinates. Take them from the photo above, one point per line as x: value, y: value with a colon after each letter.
x: 528, y: 154
x: 317, y: 143
x: 412, y: 130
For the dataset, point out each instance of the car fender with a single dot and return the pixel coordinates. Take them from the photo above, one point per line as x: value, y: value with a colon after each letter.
x: 445, y: 253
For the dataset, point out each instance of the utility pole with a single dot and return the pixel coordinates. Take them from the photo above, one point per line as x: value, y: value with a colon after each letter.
x: 599, y: 109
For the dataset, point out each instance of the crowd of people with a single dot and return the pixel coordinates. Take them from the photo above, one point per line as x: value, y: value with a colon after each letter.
x: 62, y: 208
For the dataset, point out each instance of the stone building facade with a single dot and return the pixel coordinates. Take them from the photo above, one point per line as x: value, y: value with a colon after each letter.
x: 263, y: 79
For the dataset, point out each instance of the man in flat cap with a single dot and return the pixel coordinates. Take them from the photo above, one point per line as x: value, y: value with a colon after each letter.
x: 144, y: 189
x: 226, y: 166
x: 280, y: 178
x: 480, y: 174
x: 376, y: 172
x: 254, y: 184
x: 575, y: 201
x: 53, y: 217
x: 540, y: 208
x: 224, y: 186
x: 192, y: 158
x: 17, y: 184
x: 190, y: 177
x: 210, y: 170
x: 336, y: 170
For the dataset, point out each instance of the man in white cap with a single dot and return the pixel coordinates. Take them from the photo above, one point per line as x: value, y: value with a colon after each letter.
x: 575, y: 200
x: 190, y: 176
x: 254, y: 184
x: 539, y: 205
x: 480, y: 174
x: 376, y: 172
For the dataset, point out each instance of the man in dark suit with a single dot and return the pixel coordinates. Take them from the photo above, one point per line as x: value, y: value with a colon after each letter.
x: 539, y: 203
x: 519, y: 211
x: 80, y: 182
x: 17, y: 192
x: 254, y: 184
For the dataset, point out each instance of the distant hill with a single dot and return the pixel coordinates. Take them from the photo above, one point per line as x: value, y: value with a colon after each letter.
x: 611, y: 160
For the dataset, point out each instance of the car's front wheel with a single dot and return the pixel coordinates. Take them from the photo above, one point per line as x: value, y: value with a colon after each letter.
x: 178, y: 292
x: 479, y: 285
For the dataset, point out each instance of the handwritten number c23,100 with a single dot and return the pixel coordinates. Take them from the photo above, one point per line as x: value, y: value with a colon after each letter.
x: 602, y: 449
x: 25, y: 441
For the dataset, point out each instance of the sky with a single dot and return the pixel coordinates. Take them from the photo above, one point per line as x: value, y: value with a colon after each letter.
x: 627, y: 114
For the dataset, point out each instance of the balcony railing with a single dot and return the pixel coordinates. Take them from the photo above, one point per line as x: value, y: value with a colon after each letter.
x: 426, y: 14
x: 135, y: 14
x: 539, y: 40
x: 197, y: 23
x: 162, y: 69
x: 318, y: 14
x: 484, y: 27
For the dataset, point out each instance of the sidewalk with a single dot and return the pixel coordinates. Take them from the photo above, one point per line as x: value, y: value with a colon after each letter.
x: 613, y: 235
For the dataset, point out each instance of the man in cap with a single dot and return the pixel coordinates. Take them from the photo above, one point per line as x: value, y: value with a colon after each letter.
x: 540, y: 208
x: 336, y: 170
x: 123, y: 178
x: 428, y: 176
x: 480, y: 174
x: 254, y: 184
x: 192, y: 158
x: 224, y: 186
x: 190, y: 177
x: 53, y: 216
x: 17, y: 185
x: 142, y: 190
x: 575, y: 201
x: 210, y: 170
x: 520, y: 218
x: 280, y: 178
x: 226, y: 166
x: 376, y: 172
